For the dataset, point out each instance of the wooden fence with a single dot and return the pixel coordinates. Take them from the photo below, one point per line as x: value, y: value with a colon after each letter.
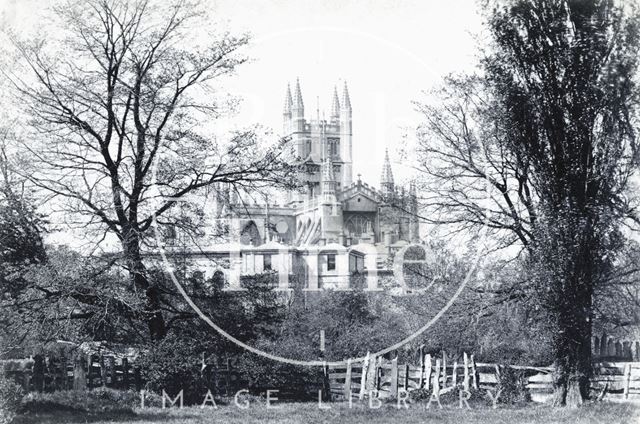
x: 355, y: 379
x: 79, y: 372
x: 386, y: 378
x: 87, y: 371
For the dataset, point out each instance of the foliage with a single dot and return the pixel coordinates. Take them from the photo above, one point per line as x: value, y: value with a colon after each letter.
x: 118, y: 98
x: 70, y: 297
x: 547, y: 125
x: 176, y: 362
x: 10, y: 397
x: 512, y: 386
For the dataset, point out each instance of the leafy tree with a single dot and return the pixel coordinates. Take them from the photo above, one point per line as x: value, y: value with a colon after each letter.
x: 549, y: 125
x: 123, y: 113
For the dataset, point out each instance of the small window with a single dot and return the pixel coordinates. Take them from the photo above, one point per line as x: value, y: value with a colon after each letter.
x: 331, y: 262
x: 267, y: 263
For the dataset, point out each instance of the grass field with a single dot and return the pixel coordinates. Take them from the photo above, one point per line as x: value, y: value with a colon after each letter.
x: 296, y: 413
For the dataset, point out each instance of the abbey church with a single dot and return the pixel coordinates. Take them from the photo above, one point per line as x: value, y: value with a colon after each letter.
x: 335, y: 226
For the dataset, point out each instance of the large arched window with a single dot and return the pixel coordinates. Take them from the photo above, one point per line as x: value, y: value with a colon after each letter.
x: 357, y: 225
x: 250, y: 235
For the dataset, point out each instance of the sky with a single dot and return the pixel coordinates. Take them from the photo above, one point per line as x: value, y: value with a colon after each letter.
x: 388, y: 52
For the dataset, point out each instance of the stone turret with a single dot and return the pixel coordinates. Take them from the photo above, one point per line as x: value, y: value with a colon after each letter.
x: 386, y: 179
x: 286, y: 113
x: 346, y: 147
x: 335, y: 107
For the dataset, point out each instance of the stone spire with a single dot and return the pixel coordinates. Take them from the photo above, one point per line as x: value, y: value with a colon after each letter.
x: 335, y: 106
x: 386, y: 180
x: 346, y: 101
x: 288, y: 102
x: 298, y: 105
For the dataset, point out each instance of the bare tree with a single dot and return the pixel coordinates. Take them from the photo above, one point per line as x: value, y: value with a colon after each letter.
x: 124, y: 115
x: 550, y: 125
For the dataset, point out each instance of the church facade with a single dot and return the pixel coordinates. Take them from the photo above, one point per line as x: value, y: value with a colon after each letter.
x: 335, y: 226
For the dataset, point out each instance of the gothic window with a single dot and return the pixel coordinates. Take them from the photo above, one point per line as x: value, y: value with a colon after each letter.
x: 358, y: 225
x: 250, y: 235
x: 334, y: 146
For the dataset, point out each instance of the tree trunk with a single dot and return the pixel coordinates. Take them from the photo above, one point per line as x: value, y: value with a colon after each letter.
x: 572, y: 338
x: 570, y: 260
x: 138, y: 274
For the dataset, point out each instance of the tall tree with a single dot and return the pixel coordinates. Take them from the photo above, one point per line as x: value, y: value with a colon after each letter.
x: 550, y: 125
x: 124, y: 112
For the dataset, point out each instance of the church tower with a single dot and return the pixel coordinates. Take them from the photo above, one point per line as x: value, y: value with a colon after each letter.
x: 331, y: 209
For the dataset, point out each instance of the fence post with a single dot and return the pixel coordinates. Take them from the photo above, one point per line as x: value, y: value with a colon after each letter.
x: 347, y: 381
x: 626, y: 351
x: 63, y: 371
x: 454, y: 374
x: 112, y: 370
x: 637, y: 355
x: 38, y: 373
x: 326, y: 387
x: 465, y: 382
x: 427, y: 372
x: 436, y: 379
x: 89, y: 370
x: 474, y: 373
x: 618, y: 349
x: 627, y: 380
x: 103, y: 371
x: 444, y: 369
x: 363, y: 378
x: 603, y: 345
x: 595, y: 346
x: 125, y: 373
x: 138, y: 378
x: 406, y: 378
x: 394, y: 377
x: 421, y: 382
x: 79, y: 376
x: 378, y: 373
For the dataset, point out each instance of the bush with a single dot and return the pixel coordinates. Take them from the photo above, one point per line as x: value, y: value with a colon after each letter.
x: 175, y: 364
x: 294, y: 382
x: 10, y: 397
x: 513, y: 386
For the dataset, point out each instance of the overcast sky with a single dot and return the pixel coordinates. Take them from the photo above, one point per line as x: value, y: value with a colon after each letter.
x: 387, y: 51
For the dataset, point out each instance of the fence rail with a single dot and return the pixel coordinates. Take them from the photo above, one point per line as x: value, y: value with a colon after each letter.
x: 385, y: 378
